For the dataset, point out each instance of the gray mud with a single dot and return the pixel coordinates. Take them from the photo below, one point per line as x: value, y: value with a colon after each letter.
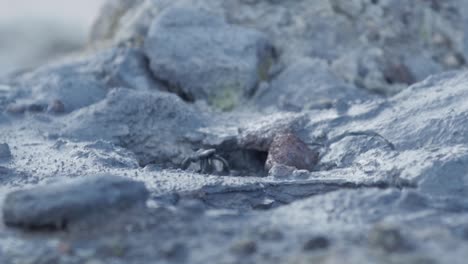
x: 335, y: 132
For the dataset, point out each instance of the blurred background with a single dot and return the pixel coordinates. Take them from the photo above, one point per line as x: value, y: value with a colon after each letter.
x: 33, y: 32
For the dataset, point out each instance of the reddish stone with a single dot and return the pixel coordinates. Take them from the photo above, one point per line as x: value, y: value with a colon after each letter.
x: 56, y: 107
x: 289, y: 150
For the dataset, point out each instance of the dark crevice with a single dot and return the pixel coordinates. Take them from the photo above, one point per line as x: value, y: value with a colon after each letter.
x: 61, y: 225
x: 246, y: 162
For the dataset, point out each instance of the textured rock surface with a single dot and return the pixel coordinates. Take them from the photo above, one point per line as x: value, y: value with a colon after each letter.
x: 5, y: 152
x: 308, y: 84
x: 390, y: 185
x: 201, y: 57
x: 377, y: 45
x: 152, y: 125
x: 289, y: 150
x: 58, y: 204
x: 83, y: 81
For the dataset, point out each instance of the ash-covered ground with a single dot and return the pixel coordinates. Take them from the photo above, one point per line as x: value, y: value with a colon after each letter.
x: 243, y: 131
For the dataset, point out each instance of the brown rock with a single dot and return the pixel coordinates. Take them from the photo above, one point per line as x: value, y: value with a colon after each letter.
x: 289, y: 150
x: 56, y: 107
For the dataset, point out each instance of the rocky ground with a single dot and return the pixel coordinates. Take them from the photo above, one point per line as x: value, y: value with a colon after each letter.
x: 243, y: 131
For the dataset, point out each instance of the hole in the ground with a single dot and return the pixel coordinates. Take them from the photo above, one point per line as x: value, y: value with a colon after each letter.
x: 244, y: 162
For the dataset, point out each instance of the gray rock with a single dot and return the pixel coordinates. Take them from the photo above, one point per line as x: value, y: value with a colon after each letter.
x: 280, y: 171
x: 308, y: 84
x: 81, y: 82
x: 308, y: 29
x: 421, y: 67
x: 152, y: 125
x: 345, y: 151
x: 373, y: 69
x: 435, y: 119
x: 244, y: 247
x: 57, y: 205
x: 350, y: 8
x: 201, y: 57
x: 316, y: 243
x: 388, y: 238
x: 5, y: 152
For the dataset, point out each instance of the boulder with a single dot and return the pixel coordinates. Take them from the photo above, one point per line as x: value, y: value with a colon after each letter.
x: 153, y: 125
x: 202, y: 57
x: 59, y: 204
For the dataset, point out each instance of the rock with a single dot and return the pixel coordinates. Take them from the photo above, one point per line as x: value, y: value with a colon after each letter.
x: 175, y: 252
x: 436, y: 118
x: 346, y: 150
x: 81, y: 82
x: 67, y: 83
x: 388, y: 238
x: 308, y: 29
x: 152, y: 125
x: 421, y: 67
x: 308, y: 84
x: 281, y: 171
x: 289, y: 150
x: 259, y: 134
x: 56, y: 107
x: 397, y: 72
x: 269, y: 234
x: 24, y: 107
x: 244, y: 247
x: 5, y: 152
x: 316, y: 243
x: 350, y: 8
x: 201, y: 57
x: 59, y: 204
x: 374, y: 70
